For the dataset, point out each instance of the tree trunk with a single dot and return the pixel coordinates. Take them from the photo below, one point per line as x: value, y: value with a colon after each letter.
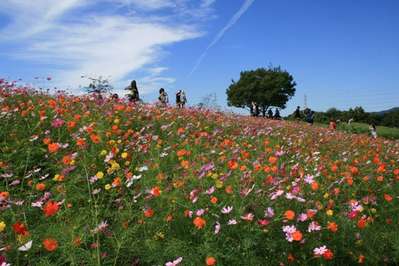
x: 263, y: 111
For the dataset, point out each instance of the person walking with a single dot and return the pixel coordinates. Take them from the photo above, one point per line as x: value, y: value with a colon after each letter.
x: 134, y: 92
x: 163, y: 97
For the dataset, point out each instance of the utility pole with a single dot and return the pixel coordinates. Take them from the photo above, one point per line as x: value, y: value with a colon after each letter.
x: 305, y: 104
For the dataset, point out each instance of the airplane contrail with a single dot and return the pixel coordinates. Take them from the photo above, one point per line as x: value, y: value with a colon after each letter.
x: 247, y: 4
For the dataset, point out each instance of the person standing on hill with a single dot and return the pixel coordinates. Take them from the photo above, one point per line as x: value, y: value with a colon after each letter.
x: 373, y: 130
x: 310, y: 116
x: 270, y: 114
x: 134, y: 92
x: 333, y: 125
x: 297, y: 113
x: 277, y: 114
x: 163, y: 97
x: 183, y: 99
x: 178, y: 99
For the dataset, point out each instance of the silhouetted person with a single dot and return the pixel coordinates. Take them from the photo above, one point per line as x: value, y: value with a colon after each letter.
x: 310, y: 116
x: 178, y: 98
x: 270, y: 114
x: 277, y: 114
x: 183, y: 99
x: 163, y: 97
x: 134, y: 92
x: 297, y: 113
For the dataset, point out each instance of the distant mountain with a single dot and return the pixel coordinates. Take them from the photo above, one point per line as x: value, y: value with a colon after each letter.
x: 395, y: 109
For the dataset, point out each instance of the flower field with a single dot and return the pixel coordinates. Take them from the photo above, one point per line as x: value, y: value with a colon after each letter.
x: 84, y: 182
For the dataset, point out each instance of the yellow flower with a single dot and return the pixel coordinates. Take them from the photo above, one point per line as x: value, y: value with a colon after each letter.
x: 127, y: 163
x: 116, y: 121
x: 107, y: 187
x: 326, y: 195
x: 218, y: 184
x: 373, y: 210
x: 58, y: 178
x: 103, y: 153
x: 73, y: 162
x: 119, y: 141
x: 2, y: 226
x: 330, y: 212
x: 124, y: 155
x: 214, y: 176
x: 100, y: 175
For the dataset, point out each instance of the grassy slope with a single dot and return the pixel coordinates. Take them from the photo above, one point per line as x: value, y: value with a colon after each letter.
x: 248, y: 161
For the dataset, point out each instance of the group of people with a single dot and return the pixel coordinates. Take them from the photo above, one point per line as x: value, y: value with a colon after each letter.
x: 308, y: 113
x: 163, y: 97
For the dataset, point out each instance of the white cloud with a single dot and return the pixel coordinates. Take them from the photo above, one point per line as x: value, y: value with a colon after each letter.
x: 245, y: 6
x: 77, y: 40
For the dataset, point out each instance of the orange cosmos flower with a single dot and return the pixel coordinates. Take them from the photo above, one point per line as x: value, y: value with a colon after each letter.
x: 95, y: 138
x: 4, y: 195
x: 50, y: 244
x: 199, y: 223
x: 214, y: 200
x: 229, y: 189
x: 297, y: 235
x: 232, y: 164
x: 210, y: 261
x: 46, y: 141
x: 185, y: 164
x: 315, y: 186
x: 40, y: 186
x: 289, y: 215
x: 333, y: 227
x: 388, y: 197
x: 53, y: 147
x: 380, y: 178
x: 273, y: 159
x: 51, y: 208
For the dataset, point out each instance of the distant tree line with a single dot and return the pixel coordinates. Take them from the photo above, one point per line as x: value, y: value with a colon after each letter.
x: 358, y: 114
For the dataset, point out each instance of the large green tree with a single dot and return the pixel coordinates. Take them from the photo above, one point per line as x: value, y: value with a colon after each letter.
x: 262, y: 88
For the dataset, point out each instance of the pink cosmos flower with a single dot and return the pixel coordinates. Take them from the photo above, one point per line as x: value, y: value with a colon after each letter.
x: 248, y: 217
x: 227, y: 209
x: 217, y: 228
x: 269, y: 212
x: 314, y: 226
x: 232, y: 222
x: 175, y: 262
x: 320, y: 251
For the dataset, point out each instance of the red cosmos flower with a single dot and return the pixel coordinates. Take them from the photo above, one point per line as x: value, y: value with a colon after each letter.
x: 20, y: 229
x: 156, y: 191
x: 50, y: 244
x: 328, y: 255
x: 388, y: 197
x: 149, y: 213
x: 95, y: 138
x: 51, y: 208
x: 210, y: 261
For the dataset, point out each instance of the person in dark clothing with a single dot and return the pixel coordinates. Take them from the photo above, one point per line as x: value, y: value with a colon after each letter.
x: 270, y: 114
x: 310, y: 117
x: 297, y: 113
x: 277, y: 114
x: 134, y: 92
x: 163, y: 97
x: 178, y: 99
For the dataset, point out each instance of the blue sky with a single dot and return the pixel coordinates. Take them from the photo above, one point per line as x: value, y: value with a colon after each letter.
x: 341, y: 53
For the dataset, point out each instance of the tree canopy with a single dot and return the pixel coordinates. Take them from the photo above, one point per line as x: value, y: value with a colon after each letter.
x: 261, y: 89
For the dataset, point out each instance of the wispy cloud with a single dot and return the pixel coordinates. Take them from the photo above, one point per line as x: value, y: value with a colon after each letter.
x: 99, y: 37
x: 247, y: 4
